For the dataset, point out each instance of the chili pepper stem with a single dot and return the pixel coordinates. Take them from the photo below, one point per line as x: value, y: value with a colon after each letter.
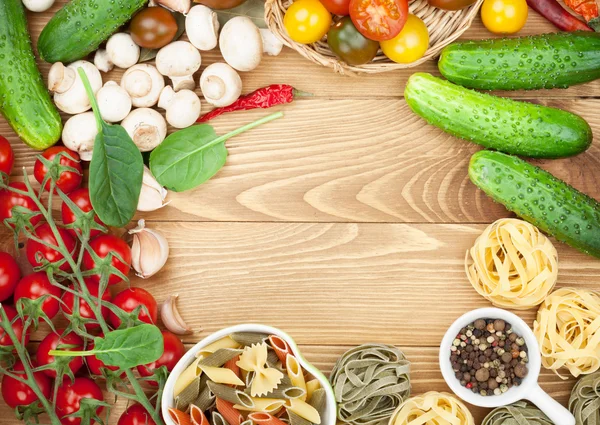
x: 300, y: 93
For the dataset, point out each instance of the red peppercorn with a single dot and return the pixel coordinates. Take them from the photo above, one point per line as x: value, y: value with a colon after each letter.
x: 469, y: 385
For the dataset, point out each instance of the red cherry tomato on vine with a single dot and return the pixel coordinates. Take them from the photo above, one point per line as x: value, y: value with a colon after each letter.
x: 44, y: 232
x: 17, y: 327
x: 34, y: 286
x: 69, y: 396
x: 337, y: 7
x: 9, y: 199
x: 129, y: 299
x: 379, y: 20
x: 7, y: 157
x: 16, y: 393
x: 102, y: 246
x: 174, y: 351
x: 81, y: 198
x: 85, y: 311
x: 10, y: 274
x: 136, y: 415
x: 51, y: 342
x: 67, y: 181
x: 94, y: 364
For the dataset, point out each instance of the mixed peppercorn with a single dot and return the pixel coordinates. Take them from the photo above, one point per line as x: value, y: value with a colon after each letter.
x: 488, y: 357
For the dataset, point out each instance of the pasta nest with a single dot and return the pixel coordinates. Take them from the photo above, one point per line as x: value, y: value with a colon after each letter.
x: 585, y: 400
x: 567, y: 329
x: 519, y: 413
x: 370, y: 381
x: 432, y: 408
x: 512, y: 264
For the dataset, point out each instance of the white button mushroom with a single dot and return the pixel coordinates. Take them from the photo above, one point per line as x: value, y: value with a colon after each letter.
x: 79, y: 134
x: 220, y: 84
x: 146, y: 127
x: 181, y: 6
x: 143, y: 83
x: 69, y: 93
x: 241, y: 44
x: 272, y: 46
x: 38, y: 5
x: 179, y: 61
x: 120, y: 51
x: 202, y: 27
x: 182, y: 107
x: 114, y: 102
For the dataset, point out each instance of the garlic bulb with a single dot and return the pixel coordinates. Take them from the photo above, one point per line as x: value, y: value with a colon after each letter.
x: 149, y: 250
x: 152, y: 195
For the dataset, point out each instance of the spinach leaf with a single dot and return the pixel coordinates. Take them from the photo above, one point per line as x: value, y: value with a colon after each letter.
x: 116, y: 169
x: 253, y: 9
x: 130, y: 347
x: 189, y: 157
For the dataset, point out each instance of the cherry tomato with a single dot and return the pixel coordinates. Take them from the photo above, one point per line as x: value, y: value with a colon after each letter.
x: 221, y: 4
x: 136, y: 415
x: 69, y: 396
x: 81, y: 198
x: 307, y: 21
x: 174, y: 351
x: 17, y: 327
x: 16, y: 393
x: 36, y: 285
x: 44, y: 232
x: 94, y: 364
x: 84, y: 308
x: 129, y: 299
x: 102, y: 246
x: 504, y: 16
x: 67, y: 181
x: 379, y: 19
x: 337, y: 7
x: 451, y: 4
x: 410, y: 45
x: 10, y: 274
x: 53, y: 340
x: 153, y: 27
x: 350, y: 45
x: 9, y: 199
x: 7, y: 157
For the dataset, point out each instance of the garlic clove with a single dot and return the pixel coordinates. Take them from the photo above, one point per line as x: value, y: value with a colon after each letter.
x: 152, y: 195
x: 149, y: 250
x: 172, y: 319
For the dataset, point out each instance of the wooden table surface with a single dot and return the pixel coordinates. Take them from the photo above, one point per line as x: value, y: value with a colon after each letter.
x: 345, y: 222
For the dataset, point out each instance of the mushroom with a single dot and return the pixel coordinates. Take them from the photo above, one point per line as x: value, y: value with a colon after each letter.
x: 114, y: 102
x: 272, y: 46
x: 120, y: 51
x: 202, y: 27
x: 146, y: 127
x: 69, y: 93
x: 38, y: 5
x: 220, y: 84
x: 181, y: 6
x: 182, y: 107
x: 241, y: 43
x: 143, y: 83
x: 79, y: 134
x: 178, y: 61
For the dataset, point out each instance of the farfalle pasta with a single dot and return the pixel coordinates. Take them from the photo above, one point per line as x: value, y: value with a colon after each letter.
x: 585, y: 400
x: 432, y: 408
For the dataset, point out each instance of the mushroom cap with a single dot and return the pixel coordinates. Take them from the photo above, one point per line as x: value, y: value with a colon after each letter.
x: 122, y: 50
x: 146, y: 127
x: 202, y: 27
x: 221, y: 85
x: 241, y: 43
x: 75, y: 100
x: 143, y: 83
x: 183, y: 108
x: 38, y: 5
x: 79, y: 134
x: 178, y: 59
x: 114, y: 102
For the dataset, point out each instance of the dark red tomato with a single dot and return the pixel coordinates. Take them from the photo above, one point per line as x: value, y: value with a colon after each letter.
x: 17, y: 327
x: 9, y: 199
x: 67, y: 181
x: 81, y: 198
x: 451, y: 4
x: 174, y: 351
x: 34, y: 286
x: 44, y: 232
x: 129, y: 299
x: 94, y: 364
x: 7, y: 157
x: 16, y: 393
x: 69, y: 396
x: 84, y: 308
x: 337, y: 7
x: 9, y: 275
x: 136, y: 415
x: 379, y: 20
x: 102, y: 246
x: 53, y: 340
x: 153, y: 27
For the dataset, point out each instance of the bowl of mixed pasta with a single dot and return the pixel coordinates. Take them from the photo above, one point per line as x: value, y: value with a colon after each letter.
x: 247, y: 375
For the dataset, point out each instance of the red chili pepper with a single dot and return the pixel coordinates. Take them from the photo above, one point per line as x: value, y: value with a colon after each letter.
x: 555, y: 13
x: 266, y: 97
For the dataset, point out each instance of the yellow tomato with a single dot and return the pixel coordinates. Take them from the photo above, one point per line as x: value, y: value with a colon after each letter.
x: 410, y: 45
x: 307, y: 21
x: 504, y: 16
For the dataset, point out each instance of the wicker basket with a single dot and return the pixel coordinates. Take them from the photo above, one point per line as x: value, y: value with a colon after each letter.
x: 444, y: 27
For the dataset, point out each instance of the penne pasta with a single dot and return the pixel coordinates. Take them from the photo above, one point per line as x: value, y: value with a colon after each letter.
x: 262, y: 418
x: 231, y: 394
x: 280, y: 347
x: 319, y: 401
x: 187, y: 377
x: 206, y: 399
x: 197, y: 415
x: 286, y: 392
x: 219, y: 357
x: 248, y: 338
x: 297, y: 420
x: 247, y: 422
x: 188, y: 395
x: 218, y: 419
x: 221, y: 375
x: 296, y: 374
x: 231, y: 414
x: 311, y: 387
x: 226, y: 342
x: 231, y: 365
x: 269, y: 405
x: 304, y: 410
x: 273, y: 360
x: 179, y: 417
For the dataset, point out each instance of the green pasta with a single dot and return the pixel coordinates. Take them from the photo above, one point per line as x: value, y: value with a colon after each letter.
x: 585, y: 400
x: 230, y: 394
x: 286, y: 392
x: 273, y: 360
x: 218, y: 419
x: 519, y: 413
x: 220, y: 357
x: 318, y: 400
x: 206, y: 399
x: 247, y: 339
x: 247, y: 422
x: 188, y: 395
x: 297, y: 420
x: 370, y: 382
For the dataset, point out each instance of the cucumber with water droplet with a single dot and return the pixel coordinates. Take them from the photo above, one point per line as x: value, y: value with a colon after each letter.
x: 539, y: 198
x: 518, y: 128
x: 524, y: 63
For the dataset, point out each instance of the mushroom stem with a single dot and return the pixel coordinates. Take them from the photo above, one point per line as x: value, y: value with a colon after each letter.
x: 272, y: 46
x: 183, y: 83
x: 60, y: 78
x: 102, y: 61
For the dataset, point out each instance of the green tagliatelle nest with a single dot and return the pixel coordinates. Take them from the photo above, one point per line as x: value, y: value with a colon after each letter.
x: 585, y: 400
x: 520, y: 413
x: 370, y: 382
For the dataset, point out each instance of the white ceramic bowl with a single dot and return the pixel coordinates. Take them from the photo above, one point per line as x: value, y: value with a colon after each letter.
x: 529, y: 388
x: 329, y: 416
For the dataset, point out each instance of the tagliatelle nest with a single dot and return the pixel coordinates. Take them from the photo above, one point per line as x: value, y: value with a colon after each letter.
x: 512, y: 264
x: 432, y: 408
x: 519, y: 413
x: 568, y: 331
x: 585, y: 400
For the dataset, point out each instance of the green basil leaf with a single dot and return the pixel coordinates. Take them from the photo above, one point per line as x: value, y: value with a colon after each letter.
x: 253, y: 9
x: 130, y: 347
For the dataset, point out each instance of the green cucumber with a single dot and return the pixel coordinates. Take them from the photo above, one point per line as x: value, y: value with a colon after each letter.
x: 24, y: 99
x: 536, y: 62
x: 539, y: 198
x: 498, y: 123
x: 80, y: 26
